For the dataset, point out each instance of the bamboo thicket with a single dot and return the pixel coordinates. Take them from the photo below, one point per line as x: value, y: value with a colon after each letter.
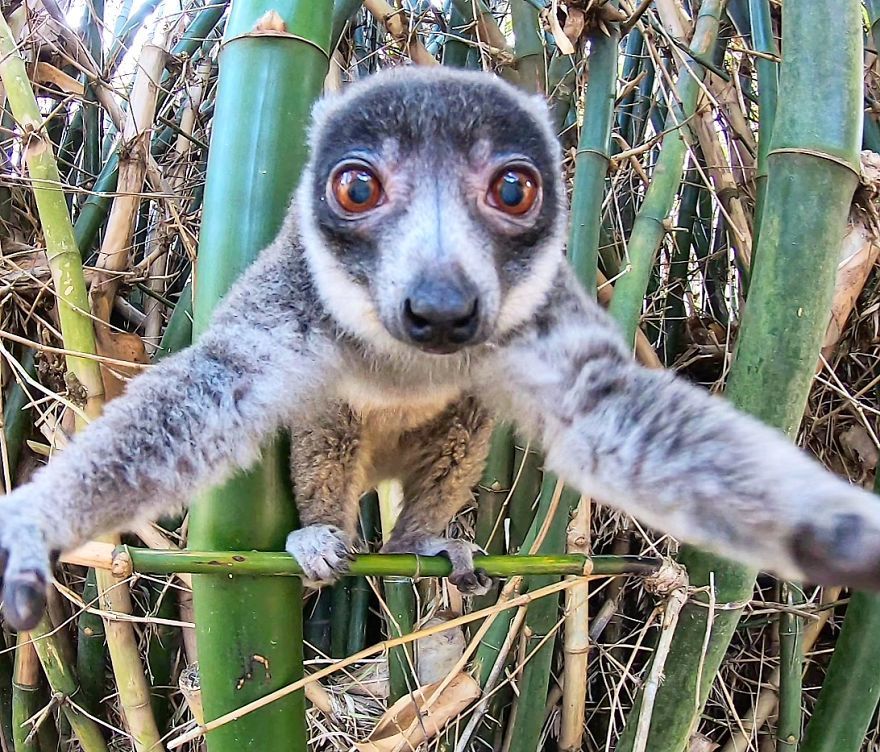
x: 711, y: 151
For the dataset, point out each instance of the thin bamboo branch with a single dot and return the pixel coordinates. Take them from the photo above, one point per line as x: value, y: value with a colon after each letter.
x: 124, y: 560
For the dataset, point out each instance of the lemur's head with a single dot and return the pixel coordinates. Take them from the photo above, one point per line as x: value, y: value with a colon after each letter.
x: 432, y: 208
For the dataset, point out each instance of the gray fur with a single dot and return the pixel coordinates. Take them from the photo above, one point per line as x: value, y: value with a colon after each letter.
x: 308, y: 338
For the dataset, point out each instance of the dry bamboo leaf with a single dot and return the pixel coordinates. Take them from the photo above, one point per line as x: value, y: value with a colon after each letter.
x: 575, y: 21
x: 48, y: 74
x: 120, y: 346
x: 859, y: 443
x: 858, y: 254
x: 551, y: 15
x: 408, y: 723
x: 435, y: 656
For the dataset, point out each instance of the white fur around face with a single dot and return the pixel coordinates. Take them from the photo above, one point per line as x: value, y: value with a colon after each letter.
x: 351, y: 304
x: 524, y: 298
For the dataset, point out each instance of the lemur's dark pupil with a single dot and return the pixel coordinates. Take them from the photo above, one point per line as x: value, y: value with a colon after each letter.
x: 360, y: 190
x: 511, y: 191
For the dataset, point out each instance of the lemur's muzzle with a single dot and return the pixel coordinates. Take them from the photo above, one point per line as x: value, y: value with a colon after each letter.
x: 441, y: 314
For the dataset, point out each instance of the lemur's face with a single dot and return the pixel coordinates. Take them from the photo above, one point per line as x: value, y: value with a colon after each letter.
x: 432, y: 208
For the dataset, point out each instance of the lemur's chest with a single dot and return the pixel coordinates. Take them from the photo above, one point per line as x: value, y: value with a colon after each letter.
x: 388, y: 408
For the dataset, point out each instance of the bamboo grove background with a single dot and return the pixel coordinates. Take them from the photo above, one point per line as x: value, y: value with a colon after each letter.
x: 723, y: 172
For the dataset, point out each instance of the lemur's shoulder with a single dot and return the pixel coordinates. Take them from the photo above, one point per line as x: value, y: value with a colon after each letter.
x: 277, y: 290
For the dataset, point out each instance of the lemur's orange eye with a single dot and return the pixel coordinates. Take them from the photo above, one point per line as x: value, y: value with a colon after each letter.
x: 357, y: 189
x: 514, y: 191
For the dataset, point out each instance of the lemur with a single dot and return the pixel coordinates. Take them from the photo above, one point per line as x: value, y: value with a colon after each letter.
x: 418, y: 290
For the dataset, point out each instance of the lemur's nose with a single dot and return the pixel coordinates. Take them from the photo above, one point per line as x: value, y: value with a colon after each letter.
x: 441, y: 315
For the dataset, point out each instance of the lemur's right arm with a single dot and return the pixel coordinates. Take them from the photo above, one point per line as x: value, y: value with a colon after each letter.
x: 679, y: 459
x: 184, y: 425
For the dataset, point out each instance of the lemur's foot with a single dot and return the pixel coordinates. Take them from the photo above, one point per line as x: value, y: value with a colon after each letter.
x: 323, y: 551
x: 468, y: 580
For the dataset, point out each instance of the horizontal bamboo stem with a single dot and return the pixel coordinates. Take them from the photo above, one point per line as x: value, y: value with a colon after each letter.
x: 122, y: 560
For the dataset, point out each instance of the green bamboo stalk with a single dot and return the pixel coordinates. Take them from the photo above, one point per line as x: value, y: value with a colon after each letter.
x: 851, y: 689
x: 493, y: 491
x: 91, y: 650
x: 492, y: 496
x: 401, y: 602
x: 49, y: 735
x: 768, y: 93
x: 591, y: 163
x: 813, y: 168
x: 258, y: 149
x: 632, y: 57
x: 316, y: 626
x: 25, y: 695
x: 673, y: 340
x: 178, y: 331
x: 644, y: 100
x: 6, y: 694
x: 162, y: 650
x: 541, y: 618
x: 281, y: 564
x: 650, y: 224
x: 17, y: 419
x: 360, y: 588
x: 126, y: 27
x: 340, y: 613
x: 530, y: 64
x: 89, y: 112
x: 62, y: 678
x: 399, y: 611
x: 873, y: 7
x: 526, y: 487
x: 791, y: 668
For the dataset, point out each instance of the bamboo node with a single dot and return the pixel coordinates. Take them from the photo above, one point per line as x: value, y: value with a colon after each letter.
x: 120, y: 564
x: 669, y: 577
x: 814, y: 153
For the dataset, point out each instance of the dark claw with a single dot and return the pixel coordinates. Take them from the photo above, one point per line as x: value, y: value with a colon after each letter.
x: 24, y: 600
x: 471, y: 583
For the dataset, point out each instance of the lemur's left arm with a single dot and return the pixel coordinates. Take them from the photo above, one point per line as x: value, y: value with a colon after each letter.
x: 679, y: 459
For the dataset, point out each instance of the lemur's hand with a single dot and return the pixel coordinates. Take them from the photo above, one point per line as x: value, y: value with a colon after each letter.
x: 323, y: 551
x: 464, y: 575
x: 24, y: 558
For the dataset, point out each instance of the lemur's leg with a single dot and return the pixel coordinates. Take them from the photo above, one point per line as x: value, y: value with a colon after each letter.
x: 328, y: 467
x: 445, y: 463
